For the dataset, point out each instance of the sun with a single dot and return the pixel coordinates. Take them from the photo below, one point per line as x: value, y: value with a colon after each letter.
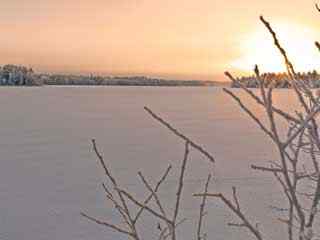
x: 298, y: 40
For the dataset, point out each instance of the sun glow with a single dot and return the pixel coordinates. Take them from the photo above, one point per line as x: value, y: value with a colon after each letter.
x: 258, y: 48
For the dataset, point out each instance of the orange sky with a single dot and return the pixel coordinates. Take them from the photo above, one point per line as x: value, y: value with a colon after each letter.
x: 167, y: 38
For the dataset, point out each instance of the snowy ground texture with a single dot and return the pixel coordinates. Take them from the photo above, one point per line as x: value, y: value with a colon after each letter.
x: 48, y: 172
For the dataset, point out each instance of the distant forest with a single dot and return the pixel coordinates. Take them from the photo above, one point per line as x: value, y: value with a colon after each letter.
x: 12, y: 75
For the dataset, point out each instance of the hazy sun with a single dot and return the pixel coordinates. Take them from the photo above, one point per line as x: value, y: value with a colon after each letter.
x: 258, y: 48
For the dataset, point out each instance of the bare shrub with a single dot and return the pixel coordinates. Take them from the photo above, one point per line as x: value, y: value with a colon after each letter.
x: 131, y: 209
x: 290, y: 170
x: 300, y: 145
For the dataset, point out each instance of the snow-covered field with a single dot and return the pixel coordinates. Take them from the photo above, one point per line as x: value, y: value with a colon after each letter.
x: 48, y: 172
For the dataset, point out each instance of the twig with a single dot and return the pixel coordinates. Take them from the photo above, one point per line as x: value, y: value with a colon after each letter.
x: 150, y: 210
x: 246, y: 110
x: 285, y: 115
x: 155, y: 190
x: 181, y: 179
x: 202, y: 208
x: 267, y: 169
x: 114, y: 227
x: 304, y: 124
x: 179, y: 134
x: 126, y: 212
x: 234, y: 209
x: 154, y: 194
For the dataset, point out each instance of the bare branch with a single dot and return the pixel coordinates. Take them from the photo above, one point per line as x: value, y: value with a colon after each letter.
x: 123, y: 205
x: 117, y: 206
x: 236, y: 225
x: 102, y: 162
x: 115, y: 228
x: 289, y: 66
x: 179, y: 134
x: 154, y: 194
x: 304, y: 124
x: 181, y: 179
x: 202, y: 208
x: 235, y: 198
x: 245, y: 109
x: 175, y: 227
x: 266, y: 169
x: 315, y: 203
x: 285, y: 115
x: 155, y: 190
x: 150, y: 210
x: 234, y: 209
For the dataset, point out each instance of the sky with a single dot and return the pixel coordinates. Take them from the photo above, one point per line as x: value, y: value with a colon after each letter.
x: 180, y: 39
